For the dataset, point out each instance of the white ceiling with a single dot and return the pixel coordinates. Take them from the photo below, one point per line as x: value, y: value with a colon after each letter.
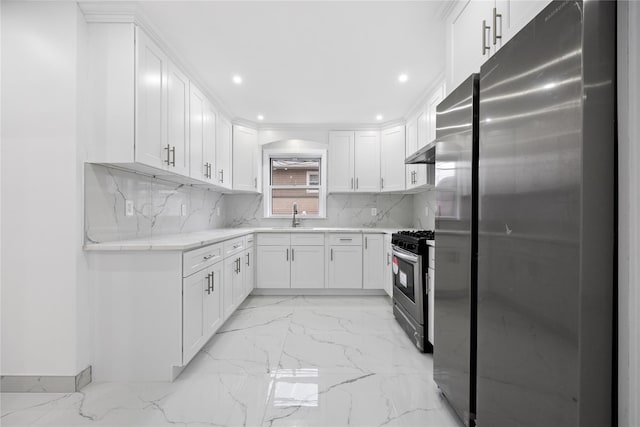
x: 307, y: 62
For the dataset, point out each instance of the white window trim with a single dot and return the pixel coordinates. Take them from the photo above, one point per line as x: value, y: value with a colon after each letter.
x: 267, y: 155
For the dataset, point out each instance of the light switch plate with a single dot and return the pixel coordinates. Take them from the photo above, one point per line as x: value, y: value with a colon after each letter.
x: 128, y: 207
x: 183, y: 210
x: 374, y: 211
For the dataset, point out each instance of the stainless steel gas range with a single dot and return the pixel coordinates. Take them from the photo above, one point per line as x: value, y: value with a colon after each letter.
x: 410, y: 308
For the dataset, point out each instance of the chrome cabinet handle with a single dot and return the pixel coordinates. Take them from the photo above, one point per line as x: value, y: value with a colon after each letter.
x: 352, y: 183
x: 239, y: 266
x: 247, y: 259
x: 388, y: 258
x: 206, y: 170
x: 381, y: 183
x: 208, y: 290
x: 287, y: 254
x: 221, y: 173
x: 208, y: 257
x: 293, y: 255
x: 344, y: 239
x: 168, y: 148
x: 173, y: 151
x: 331, y: 254
x: 496, y: 15
x: 366, y: 242
x: 213, y: 283
x: 485, y: 27
x: 356, y: 183
x: 255, y: 182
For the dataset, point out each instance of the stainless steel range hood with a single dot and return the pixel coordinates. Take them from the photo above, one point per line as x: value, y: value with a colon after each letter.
x: 425, y: 155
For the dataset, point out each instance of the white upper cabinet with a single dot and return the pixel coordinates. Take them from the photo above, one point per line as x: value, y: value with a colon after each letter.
x: 341, y: 161
x: 199, y: 167
x: 392, y: 167
x: 209, y: 142
x: 223, y: 153
x: 354, y: 161
x: 151, y: 101
x: 367, y: 161
x: 245, y: 159
x: 177, y: 120
x: 436, y: 98
x: 479, y: 28
x: 416, y: 174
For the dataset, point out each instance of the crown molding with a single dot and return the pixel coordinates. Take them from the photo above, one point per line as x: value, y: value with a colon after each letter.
x: 328, y: 126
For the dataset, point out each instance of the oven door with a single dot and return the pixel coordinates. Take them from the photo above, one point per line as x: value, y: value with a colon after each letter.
x: 408, y: 287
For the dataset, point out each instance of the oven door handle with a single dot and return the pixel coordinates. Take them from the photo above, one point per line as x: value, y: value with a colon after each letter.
x: 407, y: 256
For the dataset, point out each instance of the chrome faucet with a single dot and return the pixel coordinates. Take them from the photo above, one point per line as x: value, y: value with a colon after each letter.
x: 296, y: 221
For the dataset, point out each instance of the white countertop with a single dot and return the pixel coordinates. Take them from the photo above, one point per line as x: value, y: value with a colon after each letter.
x: 186, y: 241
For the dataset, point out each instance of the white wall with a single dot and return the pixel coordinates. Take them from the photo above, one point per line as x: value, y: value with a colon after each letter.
x: 629, y: 213
x: 43, y: 300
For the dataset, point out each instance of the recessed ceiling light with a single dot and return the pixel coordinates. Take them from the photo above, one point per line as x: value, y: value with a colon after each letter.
x: 260, y: 117
x: 379, y: 117
x: 403, y: 78
x: 237, y: 79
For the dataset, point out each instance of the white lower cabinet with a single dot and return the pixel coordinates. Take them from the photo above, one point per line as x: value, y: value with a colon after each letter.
x: 293, y: 260
x: 373, y: 262
x: 273, y: 266
x: 249, y: 273
x: 307, y: 267
x: 233, y: 284
x: 388, y: 268
x: 345, y: 267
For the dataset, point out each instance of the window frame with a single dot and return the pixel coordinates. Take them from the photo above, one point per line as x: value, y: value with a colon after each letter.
x: 267, y: 155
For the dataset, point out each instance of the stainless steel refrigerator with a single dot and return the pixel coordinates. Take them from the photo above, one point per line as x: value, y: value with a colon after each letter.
x: 456, y: 180
x: 542, y: 322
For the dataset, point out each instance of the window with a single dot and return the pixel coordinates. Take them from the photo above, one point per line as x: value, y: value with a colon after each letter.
x: 295, y: 178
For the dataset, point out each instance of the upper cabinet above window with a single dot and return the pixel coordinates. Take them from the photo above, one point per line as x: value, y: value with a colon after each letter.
x: 354, y: 161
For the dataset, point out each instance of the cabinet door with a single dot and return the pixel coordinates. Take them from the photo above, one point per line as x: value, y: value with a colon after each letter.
x: 223, y: 153
x: 435, y: 99
x: 520, y: 13
x: 245, y: 144
x: 367, y: 161
x: 212, y: 304
x: 273, y: 265
x: 192, y: 298
x: 431, y: 303
x: 238, y: 282
x: 392, y: 159
x: 341, y: 161
x: 198, y: 167
x: 423, y: 128
x: 249, y: 271
x: 151, y: 103
x: 388, y: 272
x: 345, y: 267
x: 230, y: 276
x: 466, y: 35
x: 178, y: 119
x: 373, y: 262
x: 307, y: 267
x: 209, y: 142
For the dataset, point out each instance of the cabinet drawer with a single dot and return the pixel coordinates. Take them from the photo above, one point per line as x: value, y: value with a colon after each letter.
x: 233, y: 246
x: 307, y: 239
x: 348, y: 239
x: 197, y: 259
x: 248, y: 240
x: 432, y: 257
x: 274, y: 239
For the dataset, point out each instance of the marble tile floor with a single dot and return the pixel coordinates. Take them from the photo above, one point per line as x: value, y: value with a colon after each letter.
x: 278, y: 361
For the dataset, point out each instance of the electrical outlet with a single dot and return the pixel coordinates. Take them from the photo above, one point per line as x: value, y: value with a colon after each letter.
x: 128, y: 207
x: 217, y: 210
x: 183, y: 210
x: 374, y: 211
x: 426, y: 211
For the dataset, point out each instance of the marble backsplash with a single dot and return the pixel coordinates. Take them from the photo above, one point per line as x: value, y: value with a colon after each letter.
x: 422, y: 203
x: 157, y: 206
x: 343, y: 210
